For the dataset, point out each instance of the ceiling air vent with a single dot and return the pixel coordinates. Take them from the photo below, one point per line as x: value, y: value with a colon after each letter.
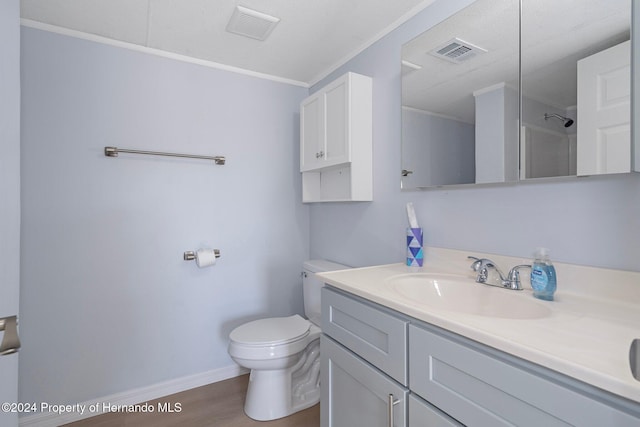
x: 251, y: 23
x: 457, y: 51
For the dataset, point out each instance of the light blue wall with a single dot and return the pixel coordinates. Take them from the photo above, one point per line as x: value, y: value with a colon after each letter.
x: 585, y: 221
x: 108, y: 303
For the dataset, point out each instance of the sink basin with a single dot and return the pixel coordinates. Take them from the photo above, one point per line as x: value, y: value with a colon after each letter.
x: 463, y: 295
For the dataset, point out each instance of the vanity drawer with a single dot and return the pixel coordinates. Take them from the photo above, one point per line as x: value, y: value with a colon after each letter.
x: 377, y: 336
x: 479, y: 387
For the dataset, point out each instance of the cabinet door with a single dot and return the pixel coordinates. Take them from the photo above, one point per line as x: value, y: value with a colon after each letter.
x: 423, y: 414
x: 336, y: 147
x: 311, y: 131
x: 325, y: 125
x: 356, y: 394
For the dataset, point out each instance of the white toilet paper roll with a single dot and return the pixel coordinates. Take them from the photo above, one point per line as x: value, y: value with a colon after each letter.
x: 205, y: 257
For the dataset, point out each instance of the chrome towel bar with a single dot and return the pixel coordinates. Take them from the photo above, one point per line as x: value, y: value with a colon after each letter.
x: 113, y: 152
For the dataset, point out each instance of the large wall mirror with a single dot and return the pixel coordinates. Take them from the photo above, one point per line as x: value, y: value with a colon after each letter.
x: 507, y: 90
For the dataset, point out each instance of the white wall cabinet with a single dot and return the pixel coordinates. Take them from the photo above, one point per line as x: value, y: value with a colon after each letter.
x: 336, y: 141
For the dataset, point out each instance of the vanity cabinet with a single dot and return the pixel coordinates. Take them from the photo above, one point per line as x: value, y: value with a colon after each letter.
x: 480, y: 386
x: 336, y: 141
x: 363, y: 354
x: 438, y: 378
x: 357, y: 394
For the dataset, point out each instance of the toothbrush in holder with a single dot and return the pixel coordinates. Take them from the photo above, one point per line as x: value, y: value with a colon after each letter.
x: 415, y: 252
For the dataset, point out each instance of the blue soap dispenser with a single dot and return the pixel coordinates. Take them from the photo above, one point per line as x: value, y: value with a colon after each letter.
x: 543, y: 275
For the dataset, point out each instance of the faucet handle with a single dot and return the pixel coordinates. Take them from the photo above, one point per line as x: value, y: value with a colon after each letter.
x: 475, y: 266
x: 514, y: 276
x: 480, y: 265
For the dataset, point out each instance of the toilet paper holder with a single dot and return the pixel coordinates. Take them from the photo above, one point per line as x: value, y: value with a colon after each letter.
x: 191, y: 255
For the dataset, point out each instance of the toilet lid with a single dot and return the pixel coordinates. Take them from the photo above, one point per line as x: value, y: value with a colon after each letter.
x: 274, y: 330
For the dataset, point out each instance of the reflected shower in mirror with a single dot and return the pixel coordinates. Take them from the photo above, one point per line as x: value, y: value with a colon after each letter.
x: 569, y: 61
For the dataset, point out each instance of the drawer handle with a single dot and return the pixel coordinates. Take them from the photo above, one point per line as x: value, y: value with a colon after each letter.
x: 391, y: 403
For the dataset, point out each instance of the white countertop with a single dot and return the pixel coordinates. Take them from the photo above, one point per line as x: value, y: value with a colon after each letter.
x: 587, y: 335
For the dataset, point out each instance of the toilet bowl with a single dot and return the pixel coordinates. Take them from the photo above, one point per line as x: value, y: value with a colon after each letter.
x: 284, y: 366
x: 283, y: 354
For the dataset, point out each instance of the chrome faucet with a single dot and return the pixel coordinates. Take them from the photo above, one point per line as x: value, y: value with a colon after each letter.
x: 482, y: 266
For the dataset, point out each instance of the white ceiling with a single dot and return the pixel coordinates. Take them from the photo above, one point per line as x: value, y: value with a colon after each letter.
x: 312, y: 38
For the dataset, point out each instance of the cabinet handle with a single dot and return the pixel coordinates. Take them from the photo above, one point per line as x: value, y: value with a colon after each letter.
x: 391, y: 404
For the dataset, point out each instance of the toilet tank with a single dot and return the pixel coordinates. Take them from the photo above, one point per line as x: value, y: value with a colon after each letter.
x: 311, y: 286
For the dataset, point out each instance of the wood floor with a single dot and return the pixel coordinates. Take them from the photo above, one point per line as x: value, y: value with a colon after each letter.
x: 215, y: 405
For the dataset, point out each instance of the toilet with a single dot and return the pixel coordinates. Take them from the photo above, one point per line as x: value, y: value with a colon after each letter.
x: 283, y: 354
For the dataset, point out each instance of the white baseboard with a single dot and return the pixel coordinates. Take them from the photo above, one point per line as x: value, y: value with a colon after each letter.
x: 131, y: 397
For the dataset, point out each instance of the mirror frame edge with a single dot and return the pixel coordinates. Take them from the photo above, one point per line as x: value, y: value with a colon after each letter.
x: 635, y: 86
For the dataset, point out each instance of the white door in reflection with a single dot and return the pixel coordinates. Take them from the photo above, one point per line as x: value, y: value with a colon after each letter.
x: 604, y: 113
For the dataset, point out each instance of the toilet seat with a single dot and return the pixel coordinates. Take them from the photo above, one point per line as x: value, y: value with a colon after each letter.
x: 272, y: 338
x: 271, y: 331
